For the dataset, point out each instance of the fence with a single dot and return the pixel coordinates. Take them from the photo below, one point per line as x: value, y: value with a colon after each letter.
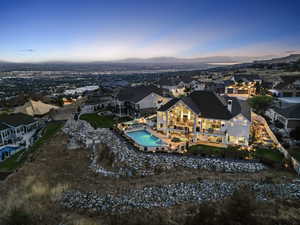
x: 295, y: 163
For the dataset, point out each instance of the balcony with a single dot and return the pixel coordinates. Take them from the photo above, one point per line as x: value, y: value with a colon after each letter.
x: 212, y: 131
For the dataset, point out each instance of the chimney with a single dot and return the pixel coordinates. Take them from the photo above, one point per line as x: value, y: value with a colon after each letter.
x: 229, y: 105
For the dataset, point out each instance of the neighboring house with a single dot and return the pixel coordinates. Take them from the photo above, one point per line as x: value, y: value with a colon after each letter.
x: 173, y: 84
x: 214, y: 86
x: 134, y: 100
x: 242, y: 85
x: 96, y: 102
x: 14, y: 127
x: 203, y: 116
x: 35, y: 108
x: 196, y: 85
x: 68, y: 101
x: 289, y: 117
x: 289, y: 86
x: 285, y: 102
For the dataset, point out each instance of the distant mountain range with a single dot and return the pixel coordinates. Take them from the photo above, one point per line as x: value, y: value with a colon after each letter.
x: 156, y: 64
x: 168, y: 60
x: 205, y: 60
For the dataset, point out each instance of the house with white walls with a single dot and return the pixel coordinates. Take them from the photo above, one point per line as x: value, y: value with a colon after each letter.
x: 14, y: 127
x: 205, y: 117
x: 137, y: 99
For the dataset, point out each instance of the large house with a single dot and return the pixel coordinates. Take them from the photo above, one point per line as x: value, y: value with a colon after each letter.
x: 13, y: 127
x: 96, y: 102
x: 242, y: 85
x: 289, y: 116
x: 204, y: 116
x: 137, y: 99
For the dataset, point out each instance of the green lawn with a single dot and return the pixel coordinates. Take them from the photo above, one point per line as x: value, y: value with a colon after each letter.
x: 271, y: 154
x: 17, y: 159
x: 234, y: 153
x: 98, y: 121
x: 205, y: 149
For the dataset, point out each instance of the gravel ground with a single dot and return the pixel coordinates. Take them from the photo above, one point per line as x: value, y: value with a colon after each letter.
x: 173, y: 194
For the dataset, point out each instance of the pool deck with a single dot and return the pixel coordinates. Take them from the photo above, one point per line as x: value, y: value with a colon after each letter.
x: 170, y: 145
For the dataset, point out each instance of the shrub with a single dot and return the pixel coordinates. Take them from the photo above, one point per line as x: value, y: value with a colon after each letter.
x: 239, y: 208
x: 17, y: 216
x: 207, y: 215
x: 105, y: 156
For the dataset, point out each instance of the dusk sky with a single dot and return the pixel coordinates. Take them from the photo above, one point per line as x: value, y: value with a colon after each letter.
x: 106, y: 30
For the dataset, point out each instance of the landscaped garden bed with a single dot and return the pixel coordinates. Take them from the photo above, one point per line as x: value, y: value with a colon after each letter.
x: 219, y: 152
x: 271, y: 157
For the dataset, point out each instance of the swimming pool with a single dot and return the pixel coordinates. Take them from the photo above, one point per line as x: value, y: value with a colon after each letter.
x: 144, y: 138
x: 7, y: 151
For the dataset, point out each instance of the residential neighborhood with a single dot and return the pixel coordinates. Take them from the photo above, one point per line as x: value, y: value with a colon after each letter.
x: 239, y: 124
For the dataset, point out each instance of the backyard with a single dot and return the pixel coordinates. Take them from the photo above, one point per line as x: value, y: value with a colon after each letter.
x: 233, y: 152
x: 98, y: 121
x: 17, y: 159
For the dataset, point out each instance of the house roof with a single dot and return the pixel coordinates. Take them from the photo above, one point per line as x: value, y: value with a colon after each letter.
x: 169, y: 104
x: 137, y: 93
x: 289, y: 112
x: 287, y: 82
x: 239, y: 107
x: 16, y: 119
x: 228, y: 82
x: 210, y: 105
x: 3, y: 126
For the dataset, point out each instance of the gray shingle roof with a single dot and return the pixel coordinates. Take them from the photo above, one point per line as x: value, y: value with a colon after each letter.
x: 137, y: 93
x: 289, y: 112
x: 210, y: 105
x: 16, y: 119
x: 3, y: 126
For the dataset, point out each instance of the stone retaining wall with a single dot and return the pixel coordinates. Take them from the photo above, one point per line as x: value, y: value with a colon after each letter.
x: 171, y: 194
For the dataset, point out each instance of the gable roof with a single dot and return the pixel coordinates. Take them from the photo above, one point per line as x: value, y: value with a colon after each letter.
x: 16, y: 119
x: 210, y: 105
x: 239, y: 107
x: 169, y: 104
x: 137, y: 93
x: 3, y: 126
x: 289, y: 112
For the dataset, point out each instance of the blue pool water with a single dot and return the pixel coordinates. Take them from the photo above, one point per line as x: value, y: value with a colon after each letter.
x: 144, y: 138
x: 8, y: 150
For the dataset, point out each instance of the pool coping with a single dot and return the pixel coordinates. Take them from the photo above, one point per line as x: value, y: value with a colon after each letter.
x: 163, y: 147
